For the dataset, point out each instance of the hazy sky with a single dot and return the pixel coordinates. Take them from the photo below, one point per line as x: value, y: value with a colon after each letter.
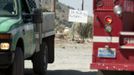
x: 77, y: 4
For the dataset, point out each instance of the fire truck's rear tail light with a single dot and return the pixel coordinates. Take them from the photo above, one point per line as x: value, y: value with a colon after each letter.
x: 108, y: 28
x: 108, y: 20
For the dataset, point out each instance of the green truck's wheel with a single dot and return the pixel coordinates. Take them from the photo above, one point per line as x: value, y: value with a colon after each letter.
x: 17, y: 68
x: 40, y: 60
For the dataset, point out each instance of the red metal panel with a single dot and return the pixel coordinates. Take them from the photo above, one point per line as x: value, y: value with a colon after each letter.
x: 124, y: 57
x: 104, y: 60
x: 99, y: 23
x: 123, y: 61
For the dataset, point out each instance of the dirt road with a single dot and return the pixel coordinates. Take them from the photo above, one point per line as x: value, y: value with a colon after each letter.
x: 70, y: 59
x: 61, y: 72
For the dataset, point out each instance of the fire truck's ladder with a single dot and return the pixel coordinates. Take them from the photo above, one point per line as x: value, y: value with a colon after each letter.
x: 130, y: 45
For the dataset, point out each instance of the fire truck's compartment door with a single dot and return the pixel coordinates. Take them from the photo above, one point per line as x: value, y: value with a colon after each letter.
x: 128, y: 16
x: 127, y: 34
x: 127, y: 40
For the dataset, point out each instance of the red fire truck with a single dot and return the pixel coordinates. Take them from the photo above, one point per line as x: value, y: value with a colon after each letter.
x: 113, y: 37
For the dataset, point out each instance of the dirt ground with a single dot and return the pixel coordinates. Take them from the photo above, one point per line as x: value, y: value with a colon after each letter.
x: 71, y: 58
x: 70, y: 55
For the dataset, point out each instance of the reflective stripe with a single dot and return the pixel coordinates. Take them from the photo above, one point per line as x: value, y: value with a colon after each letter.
x: 127, y: 47
x: 127, y: 33
x: 106, y: 39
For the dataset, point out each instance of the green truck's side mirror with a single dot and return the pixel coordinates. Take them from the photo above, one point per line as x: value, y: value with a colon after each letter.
x: 27, y: 17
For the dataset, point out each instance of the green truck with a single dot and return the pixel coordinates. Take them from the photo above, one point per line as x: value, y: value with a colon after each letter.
x: 26, y: 33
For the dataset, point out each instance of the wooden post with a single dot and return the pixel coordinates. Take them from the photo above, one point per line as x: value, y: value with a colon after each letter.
x: 82, y: 4
x: 82, y: 8
x: 53, y: 3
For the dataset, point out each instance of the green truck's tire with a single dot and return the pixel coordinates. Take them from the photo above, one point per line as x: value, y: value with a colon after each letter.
x: 40, y: 60
x: 17, y: 68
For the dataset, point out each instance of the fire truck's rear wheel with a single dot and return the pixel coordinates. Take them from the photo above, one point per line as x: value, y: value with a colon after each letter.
x: 40, y: 60
x: 103, y: 72
x: 17, y: 68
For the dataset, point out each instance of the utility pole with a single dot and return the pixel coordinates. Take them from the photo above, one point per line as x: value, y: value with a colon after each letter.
x: 82, y: 4
x: 53, y: 4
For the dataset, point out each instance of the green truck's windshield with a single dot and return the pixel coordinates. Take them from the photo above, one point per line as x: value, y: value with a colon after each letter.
x: 8, y: 7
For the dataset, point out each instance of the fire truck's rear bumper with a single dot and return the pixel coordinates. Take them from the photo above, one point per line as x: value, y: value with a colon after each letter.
x: 115, y: 67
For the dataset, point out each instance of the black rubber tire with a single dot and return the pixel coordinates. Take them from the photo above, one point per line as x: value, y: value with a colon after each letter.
x: 40, y: 60
x: 17, y: 68
x: 103, y: 72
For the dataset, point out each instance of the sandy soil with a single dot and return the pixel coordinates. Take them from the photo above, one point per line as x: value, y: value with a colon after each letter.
x: 70, y: 58
x: 70, y: 55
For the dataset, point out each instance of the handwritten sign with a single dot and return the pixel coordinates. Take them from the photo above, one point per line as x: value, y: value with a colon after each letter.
x: 78, y: 16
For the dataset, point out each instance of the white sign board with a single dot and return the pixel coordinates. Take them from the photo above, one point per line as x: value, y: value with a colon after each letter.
x: 78, y: 16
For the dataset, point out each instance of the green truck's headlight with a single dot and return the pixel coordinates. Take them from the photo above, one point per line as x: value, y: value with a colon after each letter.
x: 5, y: 41
x: 4, y: 46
